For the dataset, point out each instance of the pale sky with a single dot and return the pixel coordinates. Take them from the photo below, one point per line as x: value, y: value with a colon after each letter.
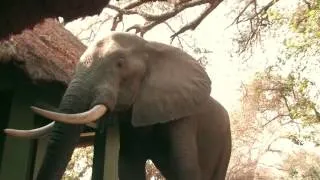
x: 226, y: 72
x: 211, y: 34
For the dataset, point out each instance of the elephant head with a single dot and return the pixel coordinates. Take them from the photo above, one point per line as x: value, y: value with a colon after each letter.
x: 158, y: 82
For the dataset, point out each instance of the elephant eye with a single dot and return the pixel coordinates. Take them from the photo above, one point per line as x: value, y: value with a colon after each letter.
x: 120, y: 62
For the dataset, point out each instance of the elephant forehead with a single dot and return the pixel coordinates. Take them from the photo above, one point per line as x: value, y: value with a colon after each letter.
x: 111, y: 43
x: 98, y: 50
x: 108, y: 46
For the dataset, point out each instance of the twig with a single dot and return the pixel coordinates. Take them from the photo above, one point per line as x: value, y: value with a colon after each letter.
x: 154, y: 20
x: 236, y: 20
x: 195, y: 23
x: 288, y: 106
x: 178, y: 37
x: 90, y: 27
x: 262, y: 11
x: 175, y: 11
x: 274, y: 118
x: 257, y: 20
x: 125, y: 10
x: 308, y: 4
x: 317, y: 114
x: 143, y: 29
x: 134, y: 4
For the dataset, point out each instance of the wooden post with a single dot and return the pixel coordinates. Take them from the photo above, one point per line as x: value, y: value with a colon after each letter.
x: 112, y: 147
x: 106, y: 151
x: 98, y: 154
x: 50, y: 95
x: 40, y: 153
x: 17, y: 154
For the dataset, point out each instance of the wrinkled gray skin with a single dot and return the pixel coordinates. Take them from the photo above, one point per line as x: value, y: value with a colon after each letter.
x: 163, y: 98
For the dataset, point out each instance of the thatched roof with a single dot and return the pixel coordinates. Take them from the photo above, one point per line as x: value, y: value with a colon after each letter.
x: 16, y: 15
x: 47, y: 52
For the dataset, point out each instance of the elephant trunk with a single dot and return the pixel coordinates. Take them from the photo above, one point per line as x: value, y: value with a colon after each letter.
x: 64, y: 137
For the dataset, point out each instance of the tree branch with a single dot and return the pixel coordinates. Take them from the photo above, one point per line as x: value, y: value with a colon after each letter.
x: 91, y: 27
x: 308, y: 4
x: 257, y: 14
x: 195, y: 23
x: 125, y: 10
x: 154, y: 20
x: 258, y: 19
x: 317, y: 114
x: 173, y: 31
x: 237, y: 19
x: 288, y: 107
x: 275, y: 118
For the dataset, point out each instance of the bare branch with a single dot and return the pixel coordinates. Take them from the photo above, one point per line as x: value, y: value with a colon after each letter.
x: 257, y: 14
x: 134, y: 4
x: 275, y: 118
x: 195, y: 23
x: 154, y: 20
x: 122, y: 11
x: 308, y: 4
x: 91, y: 26
x: 143, y: 29
x: 257, y: 21
x: 291, y: 121
x: 287, y: 106
x: 237, y: 19
x: 317, y: 114
x: 176, y: 10
x: 125, y: 10
x: 173, y: 31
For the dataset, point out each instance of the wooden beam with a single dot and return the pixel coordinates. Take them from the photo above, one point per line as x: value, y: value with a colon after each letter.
x: 86, y: 139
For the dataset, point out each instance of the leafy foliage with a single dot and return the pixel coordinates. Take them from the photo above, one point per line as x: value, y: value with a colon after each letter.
x: 309, y: 170
x: 305, y: 24
x: 152, y: 172
x: 285, y: 96
x: 80, y: 164
x: 286, y: 100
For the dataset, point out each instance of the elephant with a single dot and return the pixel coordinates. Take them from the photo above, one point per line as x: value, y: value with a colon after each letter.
x: 161, y: 95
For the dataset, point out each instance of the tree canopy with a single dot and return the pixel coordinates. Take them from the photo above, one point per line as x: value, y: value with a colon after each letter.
x: 278, y: 104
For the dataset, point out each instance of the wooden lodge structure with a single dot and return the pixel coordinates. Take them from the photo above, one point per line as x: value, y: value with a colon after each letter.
x: 17, y: 15
x: 35, y: 68
x: 37, y: 58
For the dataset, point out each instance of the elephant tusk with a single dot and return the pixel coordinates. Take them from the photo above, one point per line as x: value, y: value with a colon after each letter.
x: 36, y: 133
x: 92, y: 125
x: 80, y: 118
x: 84, y: 118
x: 32, y: 134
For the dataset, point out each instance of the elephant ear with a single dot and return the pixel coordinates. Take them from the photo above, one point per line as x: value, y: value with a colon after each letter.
x: 174, y: 87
